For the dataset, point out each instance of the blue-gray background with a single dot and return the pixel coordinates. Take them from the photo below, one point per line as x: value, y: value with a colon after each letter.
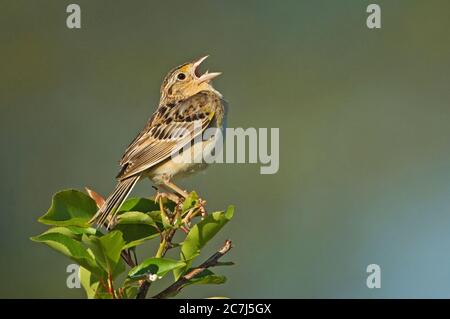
x: 364, y: 118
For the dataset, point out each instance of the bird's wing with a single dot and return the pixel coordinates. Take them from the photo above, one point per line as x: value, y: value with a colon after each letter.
x: 170, y: 128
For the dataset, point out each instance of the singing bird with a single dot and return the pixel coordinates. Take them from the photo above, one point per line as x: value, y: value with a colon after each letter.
x: 188, y: 106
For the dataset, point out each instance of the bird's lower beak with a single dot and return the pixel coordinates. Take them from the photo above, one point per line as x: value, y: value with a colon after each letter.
x: 207, y: 76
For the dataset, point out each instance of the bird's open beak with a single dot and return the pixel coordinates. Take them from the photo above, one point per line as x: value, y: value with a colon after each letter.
x: 204, y: 77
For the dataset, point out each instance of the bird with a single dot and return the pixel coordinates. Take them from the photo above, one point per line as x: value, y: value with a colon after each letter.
x: 188, y: 106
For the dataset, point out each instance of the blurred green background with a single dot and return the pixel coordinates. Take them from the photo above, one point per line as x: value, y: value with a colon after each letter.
x: 364, y: 120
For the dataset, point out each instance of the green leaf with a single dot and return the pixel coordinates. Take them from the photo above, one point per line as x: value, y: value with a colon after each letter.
x: 189, y: 202
x: 156, y: 216
x: 168, y: 204
x: 70, y: 248
x: 135, y: 218
x: 136, y: 228
x: 207, y: 277
x: 158, y: 266
x: 91, y: 284
x: 135, y: 235
x: 200, y: 234
x: 130, y: 292
x: 106, y: 250
x: 73, y: 232
x: 138, y: 204
x: 103, y: 295
x: 70, y: 208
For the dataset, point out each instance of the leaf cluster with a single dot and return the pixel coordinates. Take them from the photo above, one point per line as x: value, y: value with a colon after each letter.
x: 105, y: 256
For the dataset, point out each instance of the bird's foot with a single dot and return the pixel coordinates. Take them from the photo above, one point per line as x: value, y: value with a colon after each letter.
x: 198, y: 209
x: 173, y: 187
x: 162, y: 195
x: 201, y: 206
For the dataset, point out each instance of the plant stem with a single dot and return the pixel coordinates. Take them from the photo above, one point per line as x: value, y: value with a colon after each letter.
x: 161, y: 248
x: 111, y: 286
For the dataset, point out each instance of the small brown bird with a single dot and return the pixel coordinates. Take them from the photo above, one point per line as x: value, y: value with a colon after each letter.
x: 188, y: 105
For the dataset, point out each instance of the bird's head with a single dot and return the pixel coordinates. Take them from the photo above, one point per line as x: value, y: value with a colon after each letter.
x: 185, y: 81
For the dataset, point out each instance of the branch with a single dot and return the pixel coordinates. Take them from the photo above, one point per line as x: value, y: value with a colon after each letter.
x: 143, y: 289
x: 210, y: 262
x: 126, y: 256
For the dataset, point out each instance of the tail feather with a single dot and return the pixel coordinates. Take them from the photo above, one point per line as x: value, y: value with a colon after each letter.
x: 114, y: 201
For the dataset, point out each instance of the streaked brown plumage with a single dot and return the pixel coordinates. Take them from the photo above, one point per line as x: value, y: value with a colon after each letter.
x: 188, y: 105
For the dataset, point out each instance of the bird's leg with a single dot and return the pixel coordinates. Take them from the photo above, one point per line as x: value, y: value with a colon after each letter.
x: 172, y: 186
x: 172, y: 197
x: 201, y: 202
x: 178, y: 200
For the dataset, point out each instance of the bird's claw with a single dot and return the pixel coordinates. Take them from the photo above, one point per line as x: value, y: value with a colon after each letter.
x: 201, y: 207
x: 161, y: 195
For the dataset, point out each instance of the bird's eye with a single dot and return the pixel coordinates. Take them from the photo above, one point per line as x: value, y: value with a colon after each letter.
x: 181, y: 76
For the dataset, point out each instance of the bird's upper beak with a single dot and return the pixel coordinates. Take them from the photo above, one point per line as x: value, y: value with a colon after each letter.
x: 206, y: 77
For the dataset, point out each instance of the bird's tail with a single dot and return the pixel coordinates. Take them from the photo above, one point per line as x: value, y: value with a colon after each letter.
x: 108, y: 211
